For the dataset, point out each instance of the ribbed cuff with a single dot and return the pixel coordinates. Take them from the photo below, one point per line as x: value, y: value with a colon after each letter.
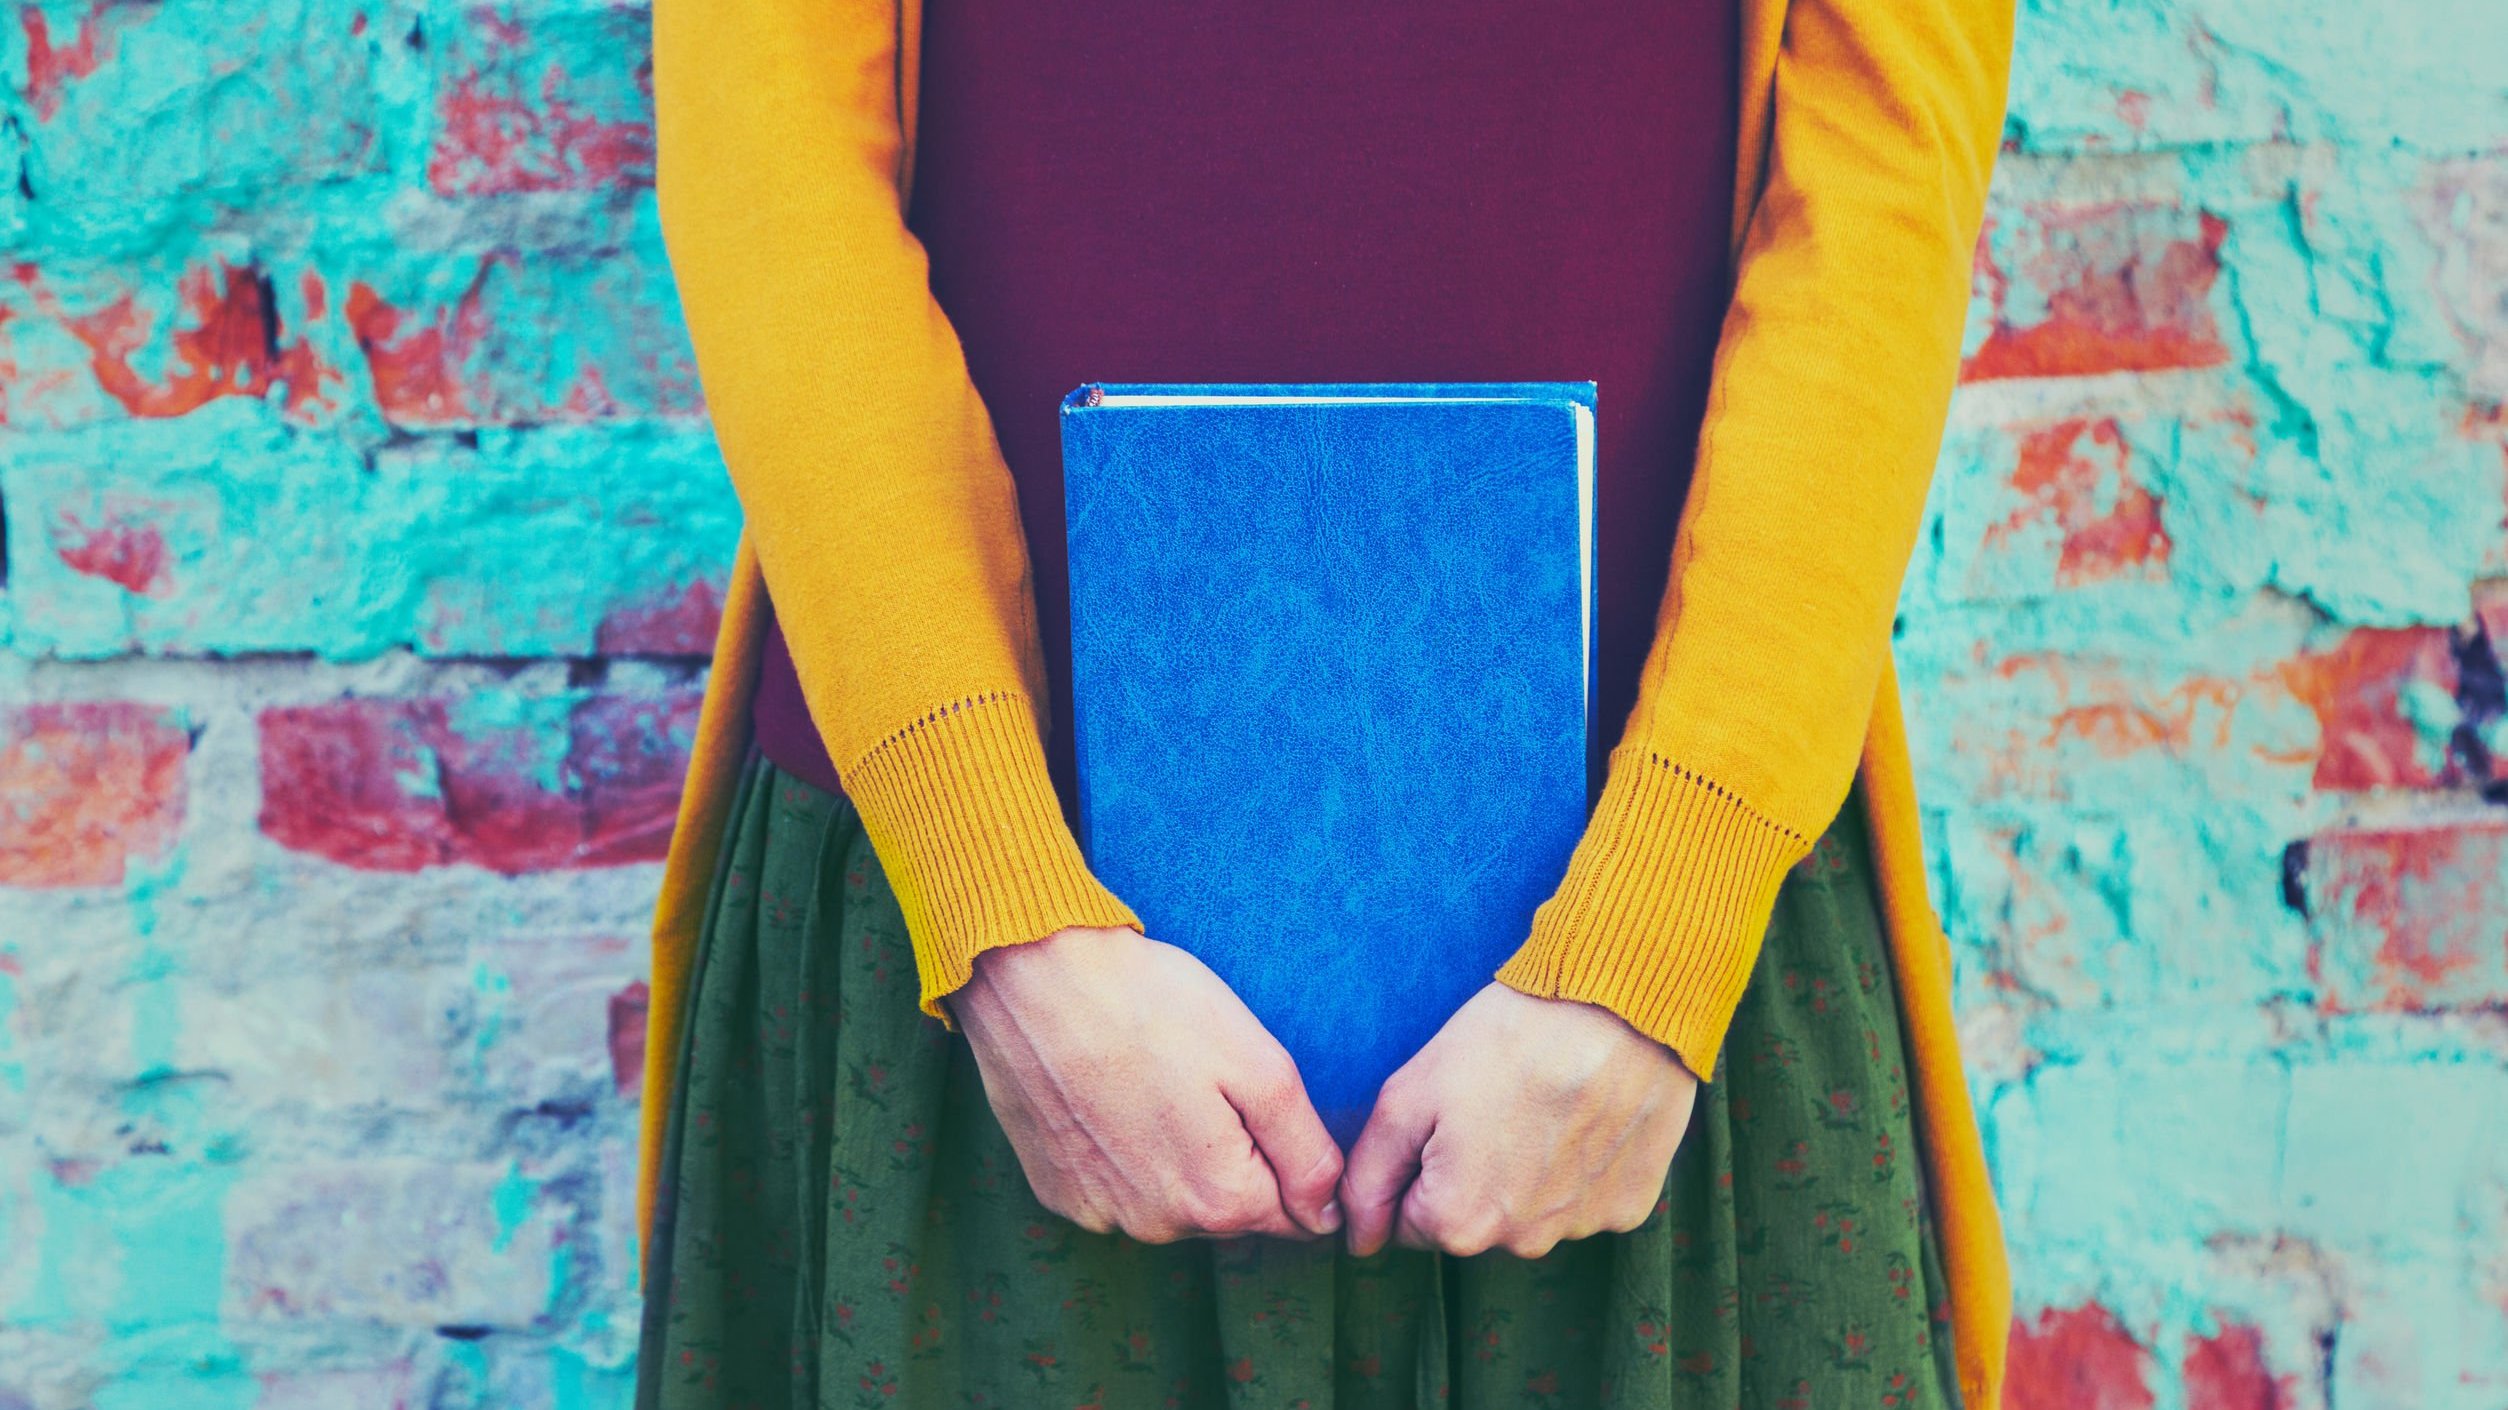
x: 963, y: 816
x: 1663, y: 907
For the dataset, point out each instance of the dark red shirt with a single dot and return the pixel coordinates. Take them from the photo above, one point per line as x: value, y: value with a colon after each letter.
x: 1330, y: 191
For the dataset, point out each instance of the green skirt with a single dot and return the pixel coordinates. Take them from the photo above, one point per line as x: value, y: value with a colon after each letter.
x: 841, y: 1221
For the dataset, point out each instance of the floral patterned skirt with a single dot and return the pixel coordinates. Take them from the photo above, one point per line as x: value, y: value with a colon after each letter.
x: 843, y: 1223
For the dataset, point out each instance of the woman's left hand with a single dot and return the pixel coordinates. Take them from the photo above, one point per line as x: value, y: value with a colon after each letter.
x: 1523, y: 1122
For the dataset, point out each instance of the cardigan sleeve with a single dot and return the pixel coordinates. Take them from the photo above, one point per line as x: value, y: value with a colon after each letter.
x: 1832, y: 380
x: 883, y: 515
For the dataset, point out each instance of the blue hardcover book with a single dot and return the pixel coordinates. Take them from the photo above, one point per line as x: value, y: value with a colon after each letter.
x: 1332, y: 668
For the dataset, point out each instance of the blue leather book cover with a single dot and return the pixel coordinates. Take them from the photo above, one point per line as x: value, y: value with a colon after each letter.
x: 1332, y: 659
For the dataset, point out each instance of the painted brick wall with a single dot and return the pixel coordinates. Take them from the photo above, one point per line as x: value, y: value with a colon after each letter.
x: 363, y: 536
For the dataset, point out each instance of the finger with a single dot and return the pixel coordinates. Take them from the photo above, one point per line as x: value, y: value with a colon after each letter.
x: 1305, y: 1163
x: 1383, y: 1163
x: 1220, y: 1186
x: 1459, y: 1227
x: 1224, y: 1202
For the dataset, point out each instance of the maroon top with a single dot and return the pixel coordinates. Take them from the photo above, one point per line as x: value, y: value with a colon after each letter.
x: 1330, y: 191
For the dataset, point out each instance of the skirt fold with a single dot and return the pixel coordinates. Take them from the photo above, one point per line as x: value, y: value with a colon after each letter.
x: 842, y: 1222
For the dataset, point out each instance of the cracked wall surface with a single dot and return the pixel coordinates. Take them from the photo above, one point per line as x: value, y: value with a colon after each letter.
x: 361, y: 538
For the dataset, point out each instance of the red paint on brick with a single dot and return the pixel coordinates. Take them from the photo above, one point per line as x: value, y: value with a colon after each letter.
x: 2226, y: 1371
x: 2126, y: 286
x: 415, y: 361
x: 50, y: 70
x: 86, y: 787
x: 500, y: 134
x: 2357, y: 691
x: 2077, y: 1358
x: 227, y: 342
x: 394, y: 785
x: 628, y: 1008
x: 125, y: 551
x: 675, y: 622
x: 2077, y: 475
x: 2410, y: 920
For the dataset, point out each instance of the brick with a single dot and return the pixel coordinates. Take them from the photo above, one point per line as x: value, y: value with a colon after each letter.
x: 161, y: 342
x: 401, y: 785
x: 2384, y: 699
x: 216, y: 534
x: 555, y: 102
x: 121, y: 546
x: 285, y: 1038
x: 2144, y: 1132
x: 677, y: 621
x: 2077, y: 1358
x: 2409, y: 919
x: 2078, y: 728
x: 408, y: 1243
x: 139, y: 109
x: 2115, y: 287
x: 565, y: 1014
x: 629, y: 1008
x: 54, y: 62
x: 87, y: 788
x: 2465, y: 215
x: 2381, y: 1154
x: 462, y: 345
x: 2064, y: 506
x: 2359, y: 78
x: 389, y: 1386
x: 2227, y: 1371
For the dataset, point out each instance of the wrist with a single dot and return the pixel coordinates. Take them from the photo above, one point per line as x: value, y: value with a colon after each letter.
x: 1004, y: 974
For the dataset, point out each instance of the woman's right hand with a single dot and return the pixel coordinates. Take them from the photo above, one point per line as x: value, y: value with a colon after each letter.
x: 1140, y: 1093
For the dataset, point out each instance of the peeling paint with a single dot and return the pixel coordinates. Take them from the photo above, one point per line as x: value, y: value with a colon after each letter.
x: 365, y: 534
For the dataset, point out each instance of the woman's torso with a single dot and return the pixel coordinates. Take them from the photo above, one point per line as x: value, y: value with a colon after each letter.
x: 1329, y: 191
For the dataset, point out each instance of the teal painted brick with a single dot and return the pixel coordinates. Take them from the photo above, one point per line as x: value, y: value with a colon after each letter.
x: 2107, y: 74
x: 136, y: 116
x: 223, y: 533
x: 354, y: 470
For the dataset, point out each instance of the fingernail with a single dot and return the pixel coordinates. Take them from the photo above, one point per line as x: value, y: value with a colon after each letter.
x: 1332, y: 1216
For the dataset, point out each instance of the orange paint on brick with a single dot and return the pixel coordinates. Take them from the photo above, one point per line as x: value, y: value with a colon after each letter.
x: 2117, y: 727
x: 227, y: 343
x: 2078, y: 475
x: 415, y: 362
x: 2121, y: 294
x: 86, y: 787
x: 2357, y: 691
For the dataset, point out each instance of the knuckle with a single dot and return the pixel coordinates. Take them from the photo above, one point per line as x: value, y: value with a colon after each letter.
x: 1531, y: 1243
x: 1276, y: 1077
x: 1083, y: 1214
x: 1473, y: 1229
x: 1401, y: 1091
x: 1213, y: 1209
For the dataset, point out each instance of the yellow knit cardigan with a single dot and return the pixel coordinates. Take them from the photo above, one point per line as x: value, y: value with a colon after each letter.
x: 881, y: 511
